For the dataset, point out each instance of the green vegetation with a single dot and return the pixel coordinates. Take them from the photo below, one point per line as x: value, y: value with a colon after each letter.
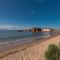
x: 53, y: 52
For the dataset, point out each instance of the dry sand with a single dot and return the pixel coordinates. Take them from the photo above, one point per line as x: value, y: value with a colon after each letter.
x: 35, y: 52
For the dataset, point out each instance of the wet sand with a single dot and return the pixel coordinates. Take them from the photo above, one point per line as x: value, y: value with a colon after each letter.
x: 31, y: 51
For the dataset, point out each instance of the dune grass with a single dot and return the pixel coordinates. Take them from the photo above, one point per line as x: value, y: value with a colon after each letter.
x: 53, y: 52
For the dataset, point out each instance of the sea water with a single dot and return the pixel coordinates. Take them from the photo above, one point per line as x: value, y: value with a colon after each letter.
x: 12, y: 35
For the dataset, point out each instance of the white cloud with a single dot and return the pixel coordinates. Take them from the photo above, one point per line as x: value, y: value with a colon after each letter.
x: 12, y: 27
x: 8, y: 27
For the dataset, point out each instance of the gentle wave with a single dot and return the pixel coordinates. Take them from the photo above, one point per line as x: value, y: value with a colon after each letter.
x: 7, y: 36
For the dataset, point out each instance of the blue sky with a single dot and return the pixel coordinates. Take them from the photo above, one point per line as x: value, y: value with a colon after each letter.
x: 20, y: 14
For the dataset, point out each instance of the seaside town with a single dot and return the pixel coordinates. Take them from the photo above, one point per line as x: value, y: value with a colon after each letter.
x: 37, y: 30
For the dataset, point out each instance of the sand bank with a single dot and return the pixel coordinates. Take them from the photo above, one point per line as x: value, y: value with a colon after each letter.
x: 30, y: 51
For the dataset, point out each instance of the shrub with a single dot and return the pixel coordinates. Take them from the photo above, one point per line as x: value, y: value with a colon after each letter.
x: 53, y: 53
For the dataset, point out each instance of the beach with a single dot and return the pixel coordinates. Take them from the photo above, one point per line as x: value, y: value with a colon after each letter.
x: 29, y: 29
x: 29, y: 51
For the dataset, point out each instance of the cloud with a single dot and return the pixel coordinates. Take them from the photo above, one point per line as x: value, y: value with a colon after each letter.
x: 32, y: 12
x: 8, y: 27
x: 13, y: 27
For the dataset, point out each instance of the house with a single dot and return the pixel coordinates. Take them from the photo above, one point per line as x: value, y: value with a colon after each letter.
x: 36, y: 30
x: 46, y: 30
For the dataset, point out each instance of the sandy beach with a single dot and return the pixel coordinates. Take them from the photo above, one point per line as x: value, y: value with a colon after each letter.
x: 30, y: 51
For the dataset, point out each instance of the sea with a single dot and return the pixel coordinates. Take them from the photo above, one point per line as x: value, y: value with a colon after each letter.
x: 13, y: 35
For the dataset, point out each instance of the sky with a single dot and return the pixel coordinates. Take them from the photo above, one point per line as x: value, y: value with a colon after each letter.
x: 21, y: 14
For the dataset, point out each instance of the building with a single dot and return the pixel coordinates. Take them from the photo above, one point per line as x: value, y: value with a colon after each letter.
x: 36, y: 30
x: 46, y: 30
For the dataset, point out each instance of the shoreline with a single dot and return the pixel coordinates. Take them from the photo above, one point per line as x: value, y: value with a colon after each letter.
x: 21, y: 47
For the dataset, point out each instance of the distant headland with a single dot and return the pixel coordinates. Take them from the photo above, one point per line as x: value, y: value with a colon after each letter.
x: 35, y: 29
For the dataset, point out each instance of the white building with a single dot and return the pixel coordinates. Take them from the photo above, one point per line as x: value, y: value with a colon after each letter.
x: 46, y: 30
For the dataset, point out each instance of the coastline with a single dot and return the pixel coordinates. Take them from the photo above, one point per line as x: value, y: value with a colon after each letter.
x: 22, y: 47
